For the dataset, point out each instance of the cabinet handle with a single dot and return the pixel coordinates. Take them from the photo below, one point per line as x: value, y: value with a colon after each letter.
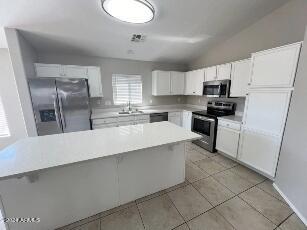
x: 249, y: 84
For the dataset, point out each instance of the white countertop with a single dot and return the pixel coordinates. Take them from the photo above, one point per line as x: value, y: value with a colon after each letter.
x: 232, y: 118
x: 39, y: 153
x: 99, y: 114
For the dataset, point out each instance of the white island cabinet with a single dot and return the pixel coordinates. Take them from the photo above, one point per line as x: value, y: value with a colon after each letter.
x: 63, y: 178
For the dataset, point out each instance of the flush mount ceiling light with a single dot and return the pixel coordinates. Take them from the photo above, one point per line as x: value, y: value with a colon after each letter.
x: 132, y: 11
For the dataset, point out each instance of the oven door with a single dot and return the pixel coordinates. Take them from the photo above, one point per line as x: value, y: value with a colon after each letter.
x: 216, y: 88
x: 206, y: 127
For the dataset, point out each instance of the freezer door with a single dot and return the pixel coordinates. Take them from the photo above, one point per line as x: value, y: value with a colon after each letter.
x: 45, y: 106
x: 73, y: 104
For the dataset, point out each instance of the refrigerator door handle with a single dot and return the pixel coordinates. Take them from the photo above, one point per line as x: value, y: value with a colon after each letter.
x: 57, y: 117
x: 61, y: 113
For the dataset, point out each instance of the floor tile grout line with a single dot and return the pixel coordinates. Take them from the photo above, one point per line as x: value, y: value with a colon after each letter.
x: 140, y: 216
x: 285, y: 220
x: 185, y: 222
x: 272, y: 195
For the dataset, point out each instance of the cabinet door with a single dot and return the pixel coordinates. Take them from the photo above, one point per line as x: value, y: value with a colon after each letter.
x: 266, y: 110
x: 187, y: 120
x: 161, y: 81
x: 240, y: 76
x: 223, y: 71
x: 259, y: 150
x: 175, y: 118
x: 211, y: 73
x: 189, y: 84
x: 199, y: 78
x: 74, y: 71
x: 177, y: 83
x: 227, y: 141
x: 94, y: 82
x: 48, y: 70
x: 275, y: 67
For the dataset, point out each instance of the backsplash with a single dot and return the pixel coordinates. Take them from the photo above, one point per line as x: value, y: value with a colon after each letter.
x: 106, y: 103
x: 201, y: 100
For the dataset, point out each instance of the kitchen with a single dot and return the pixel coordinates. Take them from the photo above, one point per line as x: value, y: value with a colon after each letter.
x: 200, y: 137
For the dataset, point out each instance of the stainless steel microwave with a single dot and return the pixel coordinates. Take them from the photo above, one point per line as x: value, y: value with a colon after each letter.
x: 217, y: 88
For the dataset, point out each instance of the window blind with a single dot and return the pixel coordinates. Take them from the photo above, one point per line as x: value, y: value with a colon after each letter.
x: 127, y: 88
x: 4, y: 129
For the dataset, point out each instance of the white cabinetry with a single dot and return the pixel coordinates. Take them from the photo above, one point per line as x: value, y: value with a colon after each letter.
x: 48, y: 70
x: 194, y: 82
x: 175, y: 118
x: 74, y: 71
x: 240, y: 76
x: 227, y: 140
x: 94, y: 81
x: 92, y: 73
x: 211, y: 73
x: 275, y: 67
x: 223, y: 71
x: 109, y: 122
x: 263, y: 125
x: 167, y: 83
x: 187, y: 120
x: 161, y: 83
x: 177, y: 83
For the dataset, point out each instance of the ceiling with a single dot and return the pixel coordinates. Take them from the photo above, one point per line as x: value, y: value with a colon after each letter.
x: 181, y: 31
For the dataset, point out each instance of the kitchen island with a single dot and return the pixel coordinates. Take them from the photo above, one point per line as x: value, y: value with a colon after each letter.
x: 63, y: 178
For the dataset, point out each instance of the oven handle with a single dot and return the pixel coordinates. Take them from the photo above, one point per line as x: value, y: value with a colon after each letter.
x: 203, y: 118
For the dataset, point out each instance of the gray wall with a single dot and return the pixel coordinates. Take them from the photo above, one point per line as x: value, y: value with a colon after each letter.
x: 292, y: 167
x: 22, y: 56
x: 118, y: 66
x: 10, y: 100
x: 284, y: 25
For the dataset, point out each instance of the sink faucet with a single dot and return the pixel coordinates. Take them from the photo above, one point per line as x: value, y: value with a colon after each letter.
x: 129, y: 106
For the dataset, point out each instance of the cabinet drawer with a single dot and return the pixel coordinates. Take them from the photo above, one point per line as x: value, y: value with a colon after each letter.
x: 142, y: 117
x: 125, y: 123
x: 103, y: 126
x: 105, y: 120
x: 229, y: 124
x: 142, y: 121
x: 126, y: 118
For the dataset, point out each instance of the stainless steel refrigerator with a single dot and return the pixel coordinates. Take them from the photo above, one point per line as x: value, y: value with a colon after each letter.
x: 60, y: 105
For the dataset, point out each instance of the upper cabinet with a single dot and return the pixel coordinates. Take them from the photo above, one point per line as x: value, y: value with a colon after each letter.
x: 161, y: 83
x: 210, y: 73
x: 177, y: 83
x: 194, y: 82
x: 92, y: 73
x: 275, y: 67
x: 240, y: 75
x: 167, y: 83
x: 48, y: 70
x: 94, y: 81
x: 223, y: 71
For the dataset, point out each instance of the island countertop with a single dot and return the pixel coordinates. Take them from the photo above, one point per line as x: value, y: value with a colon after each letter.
x: 39, y: 153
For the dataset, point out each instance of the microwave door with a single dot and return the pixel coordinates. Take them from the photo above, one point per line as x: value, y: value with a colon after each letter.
x: 45, y: 106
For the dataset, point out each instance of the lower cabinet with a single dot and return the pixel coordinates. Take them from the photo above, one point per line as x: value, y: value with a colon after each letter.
x: 259, y: 150
x: 227, y: 141
x: 175, y: 117
x: 120, y: 121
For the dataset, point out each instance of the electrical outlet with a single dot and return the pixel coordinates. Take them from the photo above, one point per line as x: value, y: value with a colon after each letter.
x: 150, y: 101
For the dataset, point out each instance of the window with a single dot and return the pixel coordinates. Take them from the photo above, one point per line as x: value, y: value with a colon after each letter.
x: 4, y: 129
x: 127, y: 88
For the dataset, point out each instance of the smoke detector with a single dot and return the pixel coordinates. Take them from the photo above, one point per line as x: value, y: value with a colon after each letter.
x: 138, y: 38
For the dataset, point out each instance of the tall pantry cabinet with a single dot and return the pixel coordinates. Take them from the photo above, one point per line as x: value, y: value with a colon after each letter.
x: 266, y: 108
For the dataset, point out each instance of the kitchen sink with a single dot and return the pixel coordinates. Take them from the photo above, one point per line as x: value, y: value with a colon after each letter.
x: 130, y: 112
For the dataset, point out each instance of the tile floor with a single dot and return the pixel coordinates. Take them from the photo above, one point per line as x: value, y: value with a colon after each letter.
x: 218, y: 194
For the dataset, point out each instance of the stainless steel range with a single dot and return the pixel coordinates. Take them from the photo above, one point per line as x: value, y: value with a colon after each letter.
x: 205, y: 122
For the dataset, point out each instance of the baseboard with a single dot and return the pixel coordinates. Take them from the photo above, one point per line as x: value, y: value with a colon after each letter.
x: 303, y: 219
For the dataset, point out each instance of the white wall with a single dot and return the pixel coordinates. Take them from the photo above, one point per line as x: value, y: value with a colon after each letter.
x: 22, y: 56
x: 284, y: 25
x: 11, y: 102
x: 111, y: 66
x: 291, y: 176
